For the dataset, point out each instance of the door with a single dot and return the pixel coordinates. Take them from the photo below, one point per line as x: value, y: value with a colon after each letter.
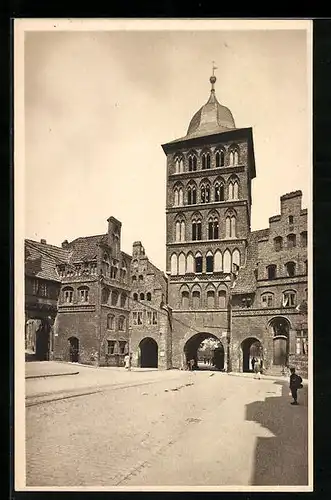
x: 74, y: 349
x: 280, y: 351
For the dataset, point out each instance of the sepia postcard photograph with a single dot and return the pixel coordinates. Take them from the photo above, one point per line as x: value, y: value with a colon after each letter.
x: 163, y: 250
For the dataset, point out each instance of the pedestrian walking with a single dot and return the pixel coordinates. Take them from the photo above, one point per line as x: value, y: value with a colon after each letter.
x: 127, y: 362
x: 253, y: 362
x: 295, y: 384
x: 257, y: 369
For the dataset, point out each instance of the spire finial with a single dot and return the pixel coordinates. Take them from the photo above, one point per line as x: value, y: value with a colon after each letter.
x: 212, y: 79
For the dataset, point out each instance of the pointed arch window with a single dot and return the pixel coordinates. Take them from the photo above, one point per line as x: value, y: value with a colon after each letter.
x: 177, y: 166
x: 196, y: 229
x: 211, y: 299
x: 227, y: 261
x: 233, y: 228
x: 213, y: 228
x: 218, y: 261
x: 222, y: 299
x: 177, y: 231
x: 180, y: 197
x: 123, y: 299
x: 219, y: 191
x: 203, y: 162
x: 290, y: 269
x: 114, y: 298
x: 181, y: 165
x: 236, y: 157
x: 190, y: 263
x: 209, y: 262
x: 182, y: 231
x: 181, y: 264
x: 176, y: 197
x: 231, y: 158
x: 192, y: 163
x: 174, y: 265
x: 191, y: 195
x: 185, y: 300
x: 235, y: 259
x: 219, y: 157
x: 205, y: 193
x: 196, y: 299
x: 233, y: 190
x: 149, y: 296
x: 198, y: 263
x: 228, y: 227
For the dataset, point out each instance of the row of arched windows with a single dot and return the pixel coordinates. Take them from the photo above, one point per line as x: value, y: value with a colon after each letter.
x: 290, y: 270
x: 141, y: 296
x: 113, y: 297
x: 195, y: 299
x: 214, y: 262
x: 206, y: 159
x: 206, y: 192
x: 68, y: 294
x: 213, y: 229
x: 291, y: 241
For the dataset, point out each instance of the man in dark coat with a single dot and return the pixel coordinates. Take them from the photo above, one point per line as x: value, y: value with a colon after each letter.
x: 295, y: 384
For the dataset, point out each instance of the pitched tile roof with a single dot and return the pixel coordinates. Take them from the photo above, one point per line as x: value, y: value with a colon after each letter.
x: 246, y: 281
x: 85, y: 247
x: 41, y: 260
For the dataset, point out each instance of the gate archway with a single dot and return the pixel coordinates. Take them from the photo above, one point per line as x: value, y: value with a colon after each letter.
x: 148, y: 350
x: 192, y: 345
x: 73, y: 349
x: 251, y: 348
x: 281, y: 331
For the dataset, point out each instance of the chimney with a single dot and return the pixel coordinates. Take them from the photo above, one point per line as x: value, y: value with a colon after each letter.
x: 43, y: 241
x: 65, y: 244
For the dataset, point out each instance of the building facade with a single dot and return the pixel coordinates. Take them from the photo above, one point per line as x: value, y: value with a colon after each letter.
x: 150, y: 317
x: 246, y: 289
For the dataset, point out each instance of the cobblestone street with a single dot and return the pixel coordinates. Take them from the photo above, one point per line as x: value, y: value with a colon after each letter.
x: 154, y: 428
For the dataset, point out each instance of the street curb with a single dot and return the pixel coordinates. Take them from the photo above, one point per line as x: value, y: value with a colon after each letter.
x: 51, y: 375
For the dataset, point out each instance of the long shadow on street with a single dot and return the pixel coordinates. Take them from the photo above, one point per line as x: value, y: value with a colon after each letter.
x: 282, y: 459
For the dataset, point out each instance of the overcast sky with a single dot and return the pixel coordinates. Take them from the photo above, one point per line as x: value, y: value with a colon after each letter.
x: 98, y: 106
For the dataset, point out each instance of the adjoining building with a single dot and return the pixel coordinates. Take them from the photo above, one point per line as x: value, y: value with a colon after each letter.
x: 150, y: 317
x: 42, y: 288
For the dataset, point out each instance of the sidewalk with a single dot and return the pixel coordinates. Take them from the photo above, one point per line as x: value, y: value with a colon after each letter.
x: 282, y: 378
x: 41, y: 369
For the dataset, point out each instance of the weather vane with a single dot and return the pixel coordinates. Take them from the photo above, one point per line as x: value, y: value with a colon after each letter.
x: 214, y: 67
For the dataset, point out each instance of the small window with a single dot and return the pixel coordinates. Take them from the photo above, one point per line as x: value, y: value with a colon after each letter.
x: 278, y: 243
x: 149, y: 317
x: 291, y: 241
x: 290, y: 219
x: 135, y: 317
x: 196, y: 299
x: 267, y: 300
x: 110, y: 346
x: 290, y: 269
x: 271, y: 272
x: 110, y: 322
x: 114, y: 298
x: 134, y: 278
x: 198, y: 264
x: 142, y: 296
x: 149, y: 296
x: 209, y: 263
x: 123, y: 299
x: 222, y: 299
x: 154, y: 318
x: 185, y: 300
x: 289, y: 298
x: 122, y: 346
x: 211, y: 299
x: 121, y: 323
x: 140, y: 318
x: 83, y: 294
x: 135, y: 296
x: 68, y: 294
x: 303, y: 236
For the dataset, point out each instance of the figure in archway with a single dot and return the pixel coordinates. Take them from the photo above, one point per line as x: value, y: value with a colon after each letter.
x: 206, y: 350
x: 252, y: 353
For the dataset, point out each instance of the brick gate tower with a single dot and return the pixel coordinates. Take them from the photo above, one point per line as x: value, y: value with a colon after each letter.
x: 208, y: 211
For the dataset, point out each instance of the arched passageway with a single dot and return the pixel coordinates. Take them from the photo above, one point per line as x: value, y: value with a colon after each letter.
x: 148, y: 353
x: 73, y: 349
x: 206, y: 350
x: 251, y: 349
x: 281, y: 330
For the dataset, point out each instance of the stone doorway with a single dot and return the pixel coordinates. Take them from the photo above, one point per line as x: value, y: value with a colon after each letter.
x: 73, y: 349
x: 251, y: 348
x: 148, y: 353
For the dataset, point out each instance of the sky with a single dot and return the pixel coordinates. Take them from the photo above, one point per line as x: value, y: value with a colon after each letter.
x: 99, y: 104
